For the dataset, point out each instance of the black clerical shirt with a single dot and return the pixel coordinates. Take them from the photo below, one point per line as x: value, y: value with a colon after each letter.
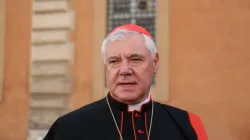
x: 94, y: 122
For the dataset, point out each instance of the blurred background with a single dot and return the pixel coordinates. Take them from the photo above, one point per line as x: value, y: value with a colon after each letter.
x: 50, y: 60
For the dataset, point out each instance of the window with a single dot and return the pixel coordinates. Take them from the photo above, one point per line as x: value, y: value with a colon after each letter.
x: 140, y: 12
x: 2, y: 33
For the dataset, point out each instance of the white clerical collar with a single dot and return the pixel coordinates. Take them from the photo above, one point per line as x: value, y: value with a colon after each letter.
x: 138, y: 106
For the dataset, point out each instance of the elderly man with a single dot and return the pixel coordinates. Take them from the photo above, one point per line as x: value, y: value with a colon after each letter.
x: 128, y: 111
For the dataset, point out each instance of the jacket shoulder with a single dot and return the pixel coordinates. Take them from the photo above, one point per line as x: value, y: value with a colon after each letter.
x: 187, y: 119
x: 74, y: 121
x: 85, y: 111
x: 173, y: 110
x: 198, y: 126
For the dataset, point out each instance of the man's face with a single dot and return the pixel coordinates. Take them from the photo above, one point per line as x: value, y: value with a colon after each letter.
x: 130, y: 69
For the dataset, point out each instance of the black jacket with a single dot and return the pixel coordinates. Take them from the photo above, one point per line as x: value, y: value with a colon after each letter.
x: 94, y: 122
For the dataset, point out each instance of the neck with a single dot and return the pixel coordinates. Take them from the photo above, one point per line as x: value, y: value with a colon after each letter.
x: 134, y: 105
x: 137, y: 106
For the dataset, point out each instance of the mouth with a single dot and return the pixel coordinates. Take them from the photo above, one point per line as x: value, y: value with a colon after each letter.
x: 126, y: 83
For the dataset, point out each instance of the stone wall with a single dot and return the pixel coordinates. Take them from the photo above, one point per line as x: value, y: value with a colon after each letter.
x: 51, y: 64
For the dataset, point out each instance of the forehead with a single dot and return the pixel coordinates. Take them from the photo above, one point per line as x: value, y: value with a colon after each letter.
x: 133, y: 44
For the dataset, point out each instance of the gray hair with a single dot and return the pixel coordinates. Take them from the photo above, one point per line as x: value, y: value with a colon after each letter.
x: 120, y: 34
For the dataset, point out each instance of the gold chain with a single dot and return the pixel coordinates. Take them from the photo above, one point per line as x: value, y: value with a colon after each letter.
x: 152, y: 114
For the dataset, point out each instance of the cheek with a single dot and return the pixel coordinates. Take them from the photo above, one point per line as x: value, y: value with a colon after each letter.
x: 144, y: 76
x: 111, y: 77
x: 146, y: 73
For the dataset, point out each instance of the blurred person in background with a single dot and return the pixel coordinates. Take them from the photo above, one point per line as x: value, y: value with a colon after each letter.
x: 128, y: 111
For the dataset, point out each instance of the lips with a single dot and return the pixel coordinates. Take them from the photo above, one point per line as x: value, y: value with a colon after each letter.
x: 126, y: 83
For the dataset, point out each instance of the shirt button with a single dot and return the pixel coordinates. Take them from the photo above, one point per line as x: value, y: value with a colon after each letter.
x: 137, y: 115
x: 140, y: 131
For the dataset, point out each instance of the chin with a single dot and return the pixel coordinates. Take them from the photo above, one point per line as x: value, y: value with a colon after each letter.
x: 128, y: 99
x: 127, y: 96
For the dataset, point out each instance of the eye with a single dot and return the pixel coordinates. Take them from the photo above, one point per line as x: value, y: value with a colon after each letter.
x: 112, y: 61
x: 136, y: 59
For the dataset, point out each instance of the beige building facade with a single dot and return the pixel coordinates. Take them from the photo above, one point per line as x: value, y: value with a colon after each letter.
x: 50, y: 62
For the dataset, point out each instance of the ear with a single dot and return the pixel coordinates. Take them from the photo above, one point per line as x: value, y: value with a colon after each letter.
x: 156, y: 63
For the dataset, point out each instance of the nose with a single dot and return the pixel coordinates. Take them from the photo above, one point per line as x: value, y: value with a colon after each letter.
x: 125, y: 69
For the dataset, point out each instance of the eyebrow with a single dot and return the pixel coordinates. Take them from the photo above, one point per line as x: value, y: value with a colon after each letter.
x: 113, y: 57
x: 128, y: 56
x: 135, y: 55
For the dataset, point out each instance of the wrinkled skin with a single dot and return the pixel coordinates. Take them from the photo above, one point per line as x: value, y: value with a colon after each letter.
x: 130, y: 68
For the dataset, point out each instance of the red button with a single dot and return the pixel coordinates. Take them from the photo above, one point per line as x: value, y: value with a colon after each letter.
x: 137, y: 115
x: 140, y: 131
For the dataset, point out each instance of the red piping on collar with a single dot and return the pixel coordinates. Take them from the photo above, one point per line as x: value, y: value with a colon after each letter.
x: 146, y: 124
x: 133, y: 124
